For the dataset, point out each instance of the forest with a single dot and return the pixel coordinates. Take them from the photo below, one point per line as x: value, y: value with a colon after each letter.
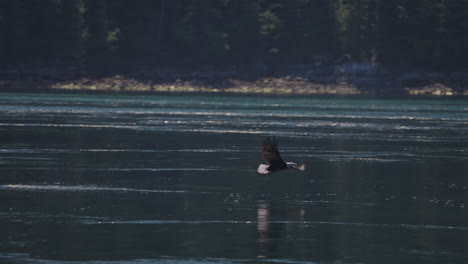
x: 121, y: 35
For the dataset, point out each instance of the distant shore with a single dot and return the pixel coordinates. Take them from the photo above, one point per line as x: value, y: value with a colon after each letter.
x: 342, y: 80
x: 271, y: 85
x: 128, y: 84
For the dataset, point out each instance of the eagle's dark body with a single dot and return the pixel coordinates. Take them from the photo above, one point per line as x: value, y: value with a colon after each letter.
x: 273, y: 158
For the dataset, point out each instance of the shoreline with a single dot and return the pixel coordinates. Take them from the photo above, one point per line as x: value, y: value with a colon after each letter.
x: 265, y: 85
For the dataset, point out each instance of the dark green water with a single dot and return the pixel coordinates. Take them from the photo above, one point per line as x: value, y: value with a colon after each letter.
x: 171, y: 179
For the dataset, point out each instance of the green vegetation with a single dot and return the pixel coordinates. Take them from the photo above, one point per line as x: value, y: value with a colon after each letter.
x: 106, y: 36
x: 254, y: 46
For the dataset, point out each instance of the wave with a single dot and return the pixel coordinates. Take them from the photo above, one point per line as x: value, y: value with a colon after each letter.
x: 160, y: 169
x: 314, y: 128
x: 215, y: 150
x: 255, y: 110
x: 27, y: 258
x: 80, y: 188
x: 198, y: 222
x: 91, y: 220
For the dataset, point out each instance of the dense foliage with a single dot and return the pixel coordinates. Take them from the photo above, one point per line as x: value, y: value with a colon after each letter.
x: 121, y: 34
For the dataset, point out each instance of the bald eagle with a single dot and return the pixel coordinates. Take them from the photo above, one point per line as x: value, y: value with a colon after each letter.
x: 272, y: 156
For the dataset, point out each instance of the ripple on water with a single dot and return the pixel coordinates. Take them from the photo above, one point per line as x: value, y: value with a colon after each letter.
x: 303, y: 223
x: 27, y: 258
x: 80, y: 188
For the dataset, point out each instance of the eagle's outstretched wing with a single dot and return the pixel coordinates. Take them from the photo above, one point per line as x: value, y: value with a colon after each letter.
x: 270, y: 152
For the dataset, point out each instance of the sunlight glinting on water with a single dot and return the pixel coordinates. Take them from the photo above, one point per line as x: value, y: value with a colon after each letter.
x: 307, y: 118
x: 93, y: 178
x: 381, y: 114
x: 80, y: 188
x: 26, y: 258
x: 105, y: 221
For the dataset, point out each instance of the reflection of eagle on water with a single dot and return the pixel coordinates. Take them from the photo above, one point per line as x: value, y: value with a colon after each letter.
x: 272, y: 156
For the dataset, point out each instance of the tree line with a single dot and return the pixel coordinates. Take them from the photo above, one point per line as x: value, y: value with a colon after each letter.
x: 124, y: 35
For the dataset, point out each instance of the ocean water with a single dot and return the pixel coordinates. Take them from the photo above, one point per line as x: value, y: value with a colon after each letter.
x: 172, y: 179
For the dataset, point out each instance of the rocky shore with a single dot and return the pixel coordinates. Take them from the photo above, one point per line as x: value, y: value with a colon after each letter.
x: 348, y: 79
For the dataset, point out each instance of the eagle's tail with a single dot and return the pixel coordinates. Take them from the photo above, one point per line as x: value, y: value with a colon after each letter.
x: 301, y: 168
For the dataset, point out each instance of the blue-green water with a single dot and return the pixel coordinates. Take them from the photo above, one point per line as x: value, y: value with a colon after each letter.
x: 172, y: 179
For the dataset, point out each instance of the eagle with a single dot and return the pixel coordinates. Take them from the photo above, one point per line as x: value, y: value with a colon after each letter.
x: 272, y: 156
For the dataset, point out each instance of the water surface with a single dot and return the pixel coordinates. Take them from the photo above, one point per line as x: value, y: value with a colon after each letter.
x: 171, y: 179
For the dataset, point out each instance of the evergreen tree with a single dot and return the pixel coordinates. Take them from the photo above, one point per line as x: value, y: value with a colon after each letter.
x: 97, y: 47
x: 14, y: 33
x: 125, y: 35
x: 455, y: 40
